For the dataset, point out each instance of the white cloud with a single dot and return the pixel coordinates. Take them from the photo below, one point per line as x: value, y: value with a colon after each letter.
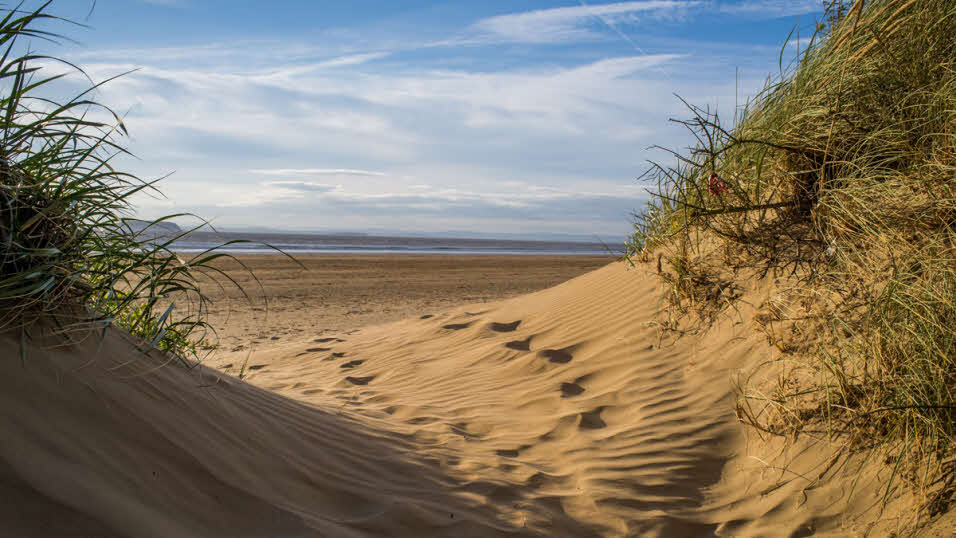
x: 353, y: 59
x: 381, y: 115
x: 316, y: 172
x: 581, y: 22
x: 288, y: 73
x: 302, y: 196
x: 303, y: 186
x: 802, y: 43
x: 772, y: 8
x: 570, y: 23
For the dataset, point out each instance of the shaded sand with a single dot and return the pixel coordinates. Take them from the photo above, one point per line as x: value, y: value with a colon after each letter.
x: 339, y: 293
x: 559, y: 413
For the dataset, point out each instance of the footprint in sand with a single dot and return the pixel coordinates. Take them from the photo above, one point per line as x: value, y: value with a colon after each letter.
x: 520, y: 345
x: 323, y: 340
x: 351, y: 364
x: 592, y: 420
x: 427, y: 316
x: 512, y: 453
x: 461, y: 428
x: 360, y: 380
x: 505, y: 327
x: 456, y: 326
x: 338, y: 354
x: 557, y: 356
x: 256, y: 367
x: 419, y: 421
x: 571, y: 389
x: 539, y: 480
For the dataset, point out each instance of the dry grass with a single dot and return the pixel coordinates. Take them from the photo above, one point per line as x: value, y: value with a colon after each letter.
x: 840, y: 177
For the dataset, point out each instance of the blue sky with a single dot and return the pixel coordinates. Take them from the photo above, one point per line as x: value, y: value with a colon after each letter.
x: 520, y: 117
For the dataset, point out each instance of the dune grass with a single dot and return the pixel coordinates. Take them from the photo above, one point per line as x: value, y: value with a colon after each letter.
x: 69, y: 250
x: 840, y: 177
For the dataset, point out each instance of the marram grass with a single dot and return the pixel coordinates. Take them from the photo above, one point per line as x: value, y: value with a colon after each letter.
x: 68, y: 250
x: 841, y: 178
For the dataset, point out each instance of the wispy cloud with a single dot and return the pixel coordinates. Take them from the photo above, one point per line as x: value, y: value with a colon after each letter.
x: 303, y: 186
x: 771, y: 8
x: 570, y: 23
x: 341, y: 61
x: 316, y: 172
x: 353, y: 59
x: 802, y: 43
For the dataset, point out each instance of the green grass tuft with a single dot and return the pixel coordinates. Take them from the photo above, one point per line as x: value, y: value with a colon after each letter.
x: 68, y: 250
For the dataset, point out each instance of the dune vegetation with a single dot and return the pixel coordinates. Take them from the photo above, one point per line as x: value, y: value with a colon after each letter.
x: 838, y: 180
x: 71, y: 250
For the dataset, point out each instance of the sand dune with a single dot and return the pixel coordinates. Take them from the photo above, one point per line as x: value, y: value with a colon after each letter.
x: 559, y: 413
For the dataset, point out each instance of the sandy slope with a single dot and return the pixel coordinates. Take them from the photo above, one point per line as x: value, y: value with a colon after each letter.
x: 559, y: 413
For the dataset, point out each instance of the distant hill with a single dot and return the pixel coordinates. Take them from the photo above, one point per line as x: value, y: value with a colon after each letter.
x: 165, y: 228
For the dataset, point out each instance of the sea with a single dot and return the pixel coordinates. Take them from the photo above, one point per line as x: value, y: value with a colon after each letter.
x: 270, y: 243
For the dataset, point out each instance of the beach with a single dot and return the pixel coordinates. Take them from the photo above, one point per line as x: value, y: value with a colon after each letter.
x: 565, y: 411
x: 412, y: 291
x: 334, y: 293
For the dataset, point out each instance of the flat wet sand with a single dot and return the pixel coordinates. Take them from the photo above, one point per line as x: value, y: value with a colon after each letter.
x: 341, y: 293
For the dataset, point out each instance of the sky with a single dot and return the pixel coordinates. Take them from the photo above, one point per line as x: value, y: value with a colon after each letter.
x: 520, y: 118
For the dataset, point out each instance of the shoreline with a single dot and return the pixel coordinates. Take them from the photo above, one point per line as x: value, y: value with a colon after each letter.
x: 263, y: 252
x: 295, y: 253
x: 266, y: 243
